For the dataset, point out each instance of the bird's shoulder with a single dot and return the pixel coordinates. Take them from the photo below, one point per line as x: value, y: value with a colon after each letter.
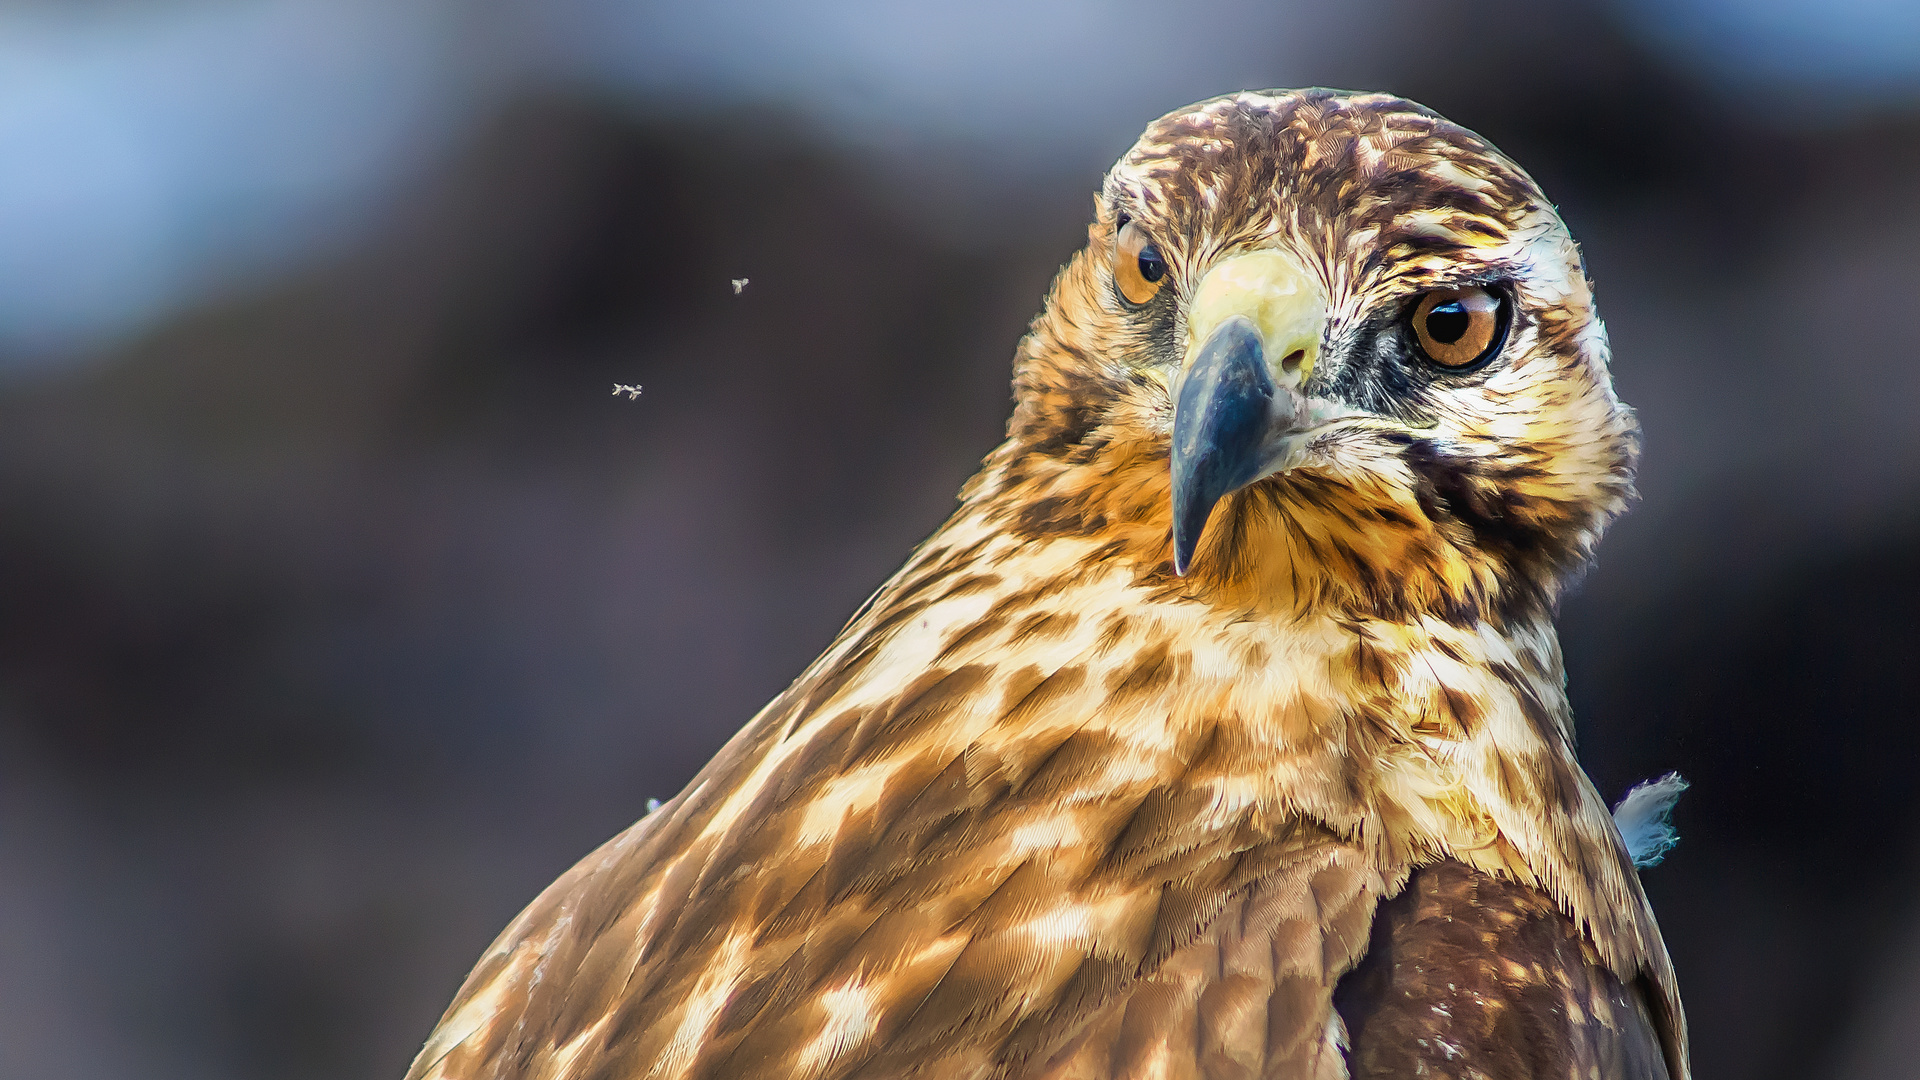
x: 1470, y: 975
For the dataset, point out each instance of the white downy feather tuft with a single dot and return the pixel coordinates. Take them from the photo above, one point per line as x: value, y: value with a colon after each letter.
x: 1643, y: 818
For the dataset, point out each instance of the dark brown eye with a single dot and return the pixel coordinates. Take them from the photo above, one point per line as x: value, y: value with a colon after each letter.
x: 1457, y: 328
x: 1138, y: 267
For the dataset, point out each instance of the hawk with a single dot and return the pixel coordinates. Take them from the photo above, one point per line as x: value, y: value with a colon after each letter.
x: 1222, y: 731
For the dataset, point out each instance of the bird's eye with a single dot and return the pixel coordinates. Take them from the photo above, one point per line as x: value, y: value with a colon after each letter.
x: 1138, y: 267
x: 1458, y: 328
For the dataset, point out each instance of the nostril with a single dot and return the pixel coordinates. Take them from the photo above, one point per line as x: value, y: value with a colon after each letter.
x: 1292, y: 361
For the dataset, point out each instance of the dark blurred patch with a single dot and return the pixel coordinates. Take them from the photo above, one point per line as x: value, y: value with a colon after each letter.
x: 378, y: 558
x: 336, y: 622
x: 1812, y: 680
x: 1791, y: 707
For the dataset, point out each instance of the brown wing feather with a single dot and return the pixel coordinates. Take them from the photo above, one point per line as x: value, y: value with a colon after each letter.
x: 1252, y: 996
x: 1469, y: 975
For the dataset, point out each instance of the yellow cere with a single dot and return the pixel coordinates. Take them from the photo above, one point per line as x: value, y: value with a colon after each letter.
x: 1277, y: 293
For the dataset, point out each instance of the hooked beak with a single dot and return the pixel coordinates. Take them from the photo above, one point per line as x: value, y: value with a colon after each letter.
x: 1254, y: 334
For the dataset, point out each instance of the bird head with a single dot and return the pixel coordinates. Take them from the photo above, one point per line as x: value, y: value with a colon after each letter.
x: 1324, y: 348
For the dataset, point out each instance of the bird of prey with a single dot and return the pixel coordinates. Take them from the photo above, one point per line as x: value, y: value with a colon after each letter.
x: 1222, y: 730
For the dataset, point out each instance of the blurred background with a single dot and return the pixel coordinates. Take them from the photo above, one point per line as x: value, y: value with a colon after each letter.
x: 342, y: 607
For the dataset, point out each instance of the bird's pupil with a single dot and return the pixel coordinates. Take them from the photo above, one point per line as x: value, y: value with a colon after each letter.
x: 1447, y: 323
x: 1152, y: 266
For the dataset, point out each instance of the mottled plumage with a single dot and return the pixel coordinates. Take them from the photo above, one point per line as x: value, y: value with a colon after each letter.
x: 1048, y: 808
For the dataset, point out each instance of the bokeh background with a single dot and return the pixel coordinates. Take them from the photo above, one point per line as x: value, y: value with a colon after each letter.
x: 342, y: 606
